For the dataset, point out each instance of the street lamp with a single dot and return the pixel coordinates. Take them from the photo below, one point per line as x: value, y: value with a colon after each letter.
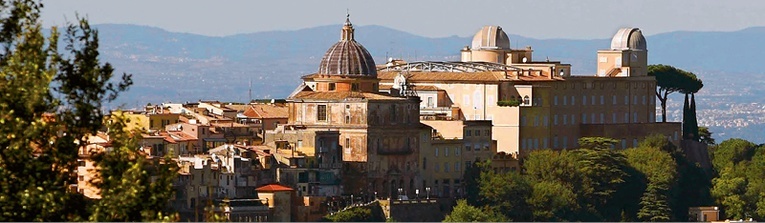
x: 375, y: 195
x: 427, y: 190
x: 400, y: 190
x: 417, y: 191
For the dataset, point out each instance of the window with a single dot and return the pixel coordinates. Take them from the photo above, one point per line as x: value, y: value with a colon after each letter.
x: 584, y: 118
x: 446, y: 167
x: 573, y: 100
x: 634, y: 99
x: 438, y: 168
x: 613, y: 100
x: 430, y: 101
x: 602, y: 100
x: 347, y: 119
x: 584, y: 99
x: 526, y: 100
x: 477, y: 146
x: 613, y: 117
x: 332, y: 86
x: 644, y: 100
x: 624, y: 143
x: 446, y: 151
x: 626, y: 99
x: 555, y: 100
x: 487, y: 132
x: 468, y: 147
x: 436, y: 152
x: 565, y: 142
x: 573, y: 119
x: 457, y: 166
x: 80, y: 163
x: 634, y: 117
x: 355, y: 87
x: 634, y: 142
x: 555, y: 119
x: 592, y: 100
x: 457, y: 151
x: 347, y: 143
x: 565, y: 117
x: 626, y: 117
x: 321, y: 113
x: 565, y: 99
x: 468, y: 133
x: 81, y: 178
x: 592, y: 118
x: 555, y: 142
x: 477, y: 132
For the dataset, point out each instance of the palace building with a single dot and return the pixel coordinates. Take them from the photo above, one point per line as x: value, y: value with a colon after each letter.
x: 538, y: 104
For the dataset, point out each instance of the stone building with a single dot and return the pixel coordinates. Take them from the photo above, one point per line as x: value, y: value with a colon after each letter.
x: 538, y: 104
x: 377, y: 132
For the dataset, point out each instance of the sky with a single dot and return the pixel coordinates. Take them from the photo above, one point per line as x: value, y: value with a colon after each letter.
x: 544, y: 19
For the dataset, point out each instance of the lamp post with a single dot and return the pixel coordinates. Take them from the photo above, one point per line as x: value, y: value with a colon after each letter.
x: 352, y: 200
x: 427, y: 190
x: 375, y: 195
x: 417, y: 191
x: 400, y: 190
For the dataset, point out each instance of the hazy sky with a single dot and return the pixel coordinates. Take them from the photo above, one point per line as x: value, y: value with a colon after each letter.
x: 433, y: 18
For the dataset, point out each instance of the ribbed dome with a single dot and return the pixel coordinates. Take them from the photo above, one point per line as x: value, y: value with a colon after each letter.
x: 348, y: 57
x: 491, y: 37
x: 628, y: 39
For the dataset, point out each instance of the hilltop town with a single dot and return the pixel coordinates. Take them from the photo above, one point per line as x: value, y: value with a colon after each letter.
x: 399, y: 134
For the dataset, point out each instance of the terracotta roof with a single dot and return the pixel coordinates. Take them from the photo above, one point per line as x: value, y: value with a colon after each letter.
x: 312, y: 95
x: 490, y: 76
x: 273, y: 188
x: 266, y: 111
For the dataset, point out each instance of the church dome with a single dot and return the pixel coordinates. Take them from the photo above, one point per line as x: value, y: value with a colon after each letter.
x: 491, y: 37
x: 628, y: 39
x: 348, y: 57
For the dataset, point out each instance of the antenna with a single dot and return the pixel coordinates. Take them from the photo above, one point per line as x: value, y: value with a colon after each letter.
x: 250, y: 91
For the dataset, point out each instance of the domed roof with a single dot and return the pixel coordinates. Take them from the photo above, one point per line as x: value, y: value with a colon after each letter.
x: 628, y: 39
x: 491, y: 37
x: 348, y: 57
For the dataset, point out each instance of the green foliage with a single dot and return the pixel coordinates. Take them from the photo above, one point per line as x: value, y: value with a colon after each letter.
x: 506, y: 193
x: 730, y: 152
x: 552, y: 201
x: 463, y: 212
x: 49, y: 103
x: 508, y: 103
x: 659, y: 170
x: 670, y: 79
x: 739, y: 187
x: 705, y: 135
x: 597, y: 142
x: 355, y: 214
x: 472, y: 177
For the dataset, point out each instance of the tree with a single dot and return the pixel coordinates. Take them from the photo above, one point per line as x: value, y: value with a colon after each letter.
x: 705, y: 136
x: 355, y: 214
x: 659, y: 170
x: 506, y: 193
x: 553, y: 202
x: 50, y: 102
x: 472, y: 177
x: 463, y: 212
x: 597, y: 142
x: 669, y: 80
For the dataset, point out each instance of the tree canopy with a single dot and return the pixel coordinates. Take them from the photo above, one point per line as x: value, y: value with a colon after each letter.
x: 670, y: 79
x: 50, y: 102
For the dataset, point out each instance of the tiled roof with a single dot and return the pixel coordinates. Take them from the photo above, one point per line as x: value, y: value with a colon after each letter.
x: 312, y: 95
x: 266, y: 111
x: 273, y: 188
